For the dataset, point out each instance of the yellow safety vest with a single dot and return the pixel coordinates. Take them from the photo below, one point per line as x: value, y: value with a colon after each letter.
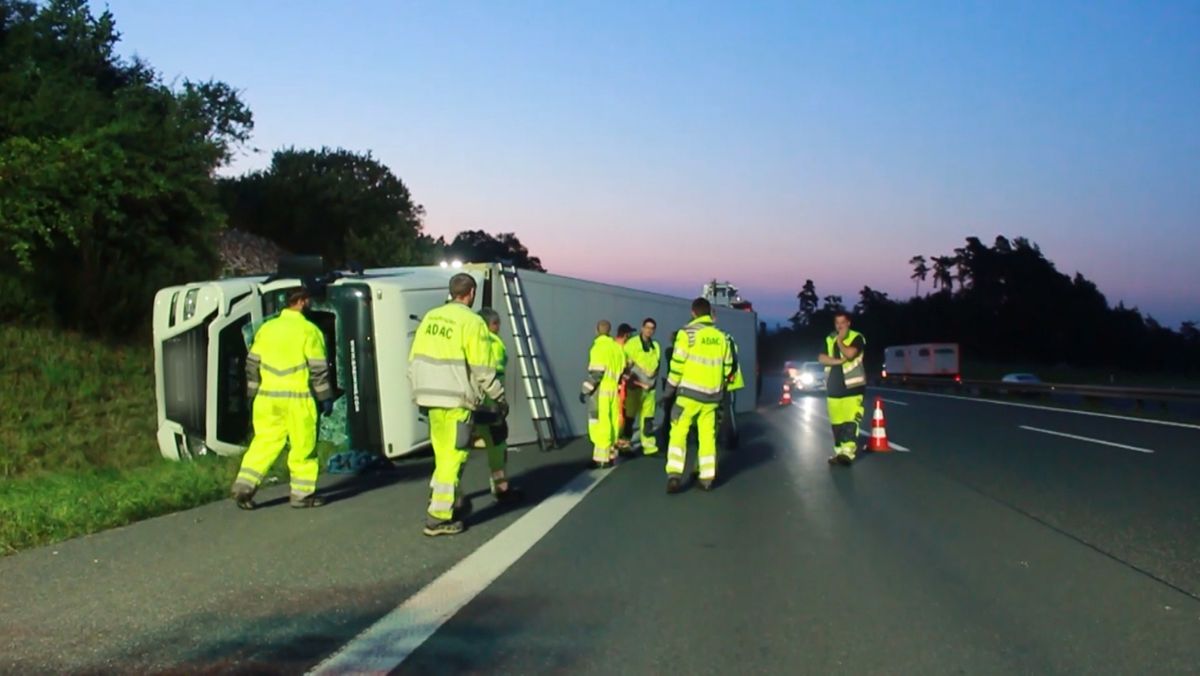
x: 606, y: 363
x: 500, y: 354
x: 287, y: 358
x: 701, y: 361
x: 452, y: 363
x: 737, y: 381
x: 854, y: 373
x: 644, y: 364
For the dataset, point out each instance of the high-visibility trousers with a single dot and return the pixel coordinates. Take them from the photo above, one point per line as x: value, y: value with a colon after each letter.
x: 604, y: 420
x: 278, y: 420
x: 845, y: 416
x: 639, y: 415
x: 494, y: 441
x: 450, y: 433
x: 705, y: 416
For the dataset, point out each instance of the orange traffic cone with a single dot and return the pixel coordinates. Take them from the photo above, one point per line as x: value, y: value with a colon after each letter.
x: 879, y: 442
x: 787, y: 395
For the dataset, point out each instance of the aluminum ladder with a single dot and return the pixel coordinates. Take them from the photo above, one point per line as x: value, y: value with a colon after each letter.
x: 528, y: 356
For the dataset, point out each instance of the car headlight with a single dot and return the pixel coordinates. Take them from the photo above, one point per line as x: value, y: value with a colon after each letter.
x: 806, y: 378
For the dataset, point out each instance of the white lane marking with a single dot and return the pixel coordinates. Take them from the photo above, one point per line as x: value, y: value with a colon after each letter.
x: 895, y: 446
x: 1076, y: 436
x: 1168, y: 423
x: 388, y: 642
x: 896, y: 402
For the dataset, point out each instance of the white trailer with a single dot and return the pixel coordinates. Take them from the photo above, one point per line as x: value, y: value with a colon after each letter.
x: 923, y: 359
x: 202, y: 333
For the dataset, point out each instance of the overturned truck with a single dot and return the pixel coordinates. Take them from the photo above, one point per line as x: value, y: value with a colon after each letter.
x: 202, y: 333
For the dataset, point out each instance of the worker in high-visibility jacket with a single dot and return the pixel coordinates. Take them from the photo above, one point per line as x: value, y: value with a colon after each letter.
x: 606, y: 365
x: 700, y: 364
x: 623, y: 445
x: 491, y: 429
x: 285, y: 368
x: 845, y: 385
x: 644, y: 356
x: 727, y: 412
x: 666, y: 402
x: 452, y: 369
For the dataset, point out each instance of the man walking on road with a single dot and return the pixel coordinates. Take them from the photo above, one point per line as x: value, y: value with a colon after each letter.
x: 490, y: 427
x: 452, y: 368
x: 645, y: 359
x: 623, y: 445
x: 845, y: 383
x: 701, y: 361
x: 606, y: 363
x: 285, y: 368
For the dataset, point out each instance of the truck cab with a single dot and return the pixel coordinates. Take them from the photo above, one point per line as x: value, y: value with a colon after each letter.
x: 203, y: 333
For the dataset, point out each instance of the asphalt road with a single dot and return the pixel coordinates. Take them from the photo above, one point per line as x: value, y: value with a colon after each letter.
x: 988, y: 547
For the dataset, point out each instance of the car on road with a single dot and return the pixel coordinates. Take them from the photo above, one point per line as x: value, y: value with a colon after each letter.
x: 806, y: 376
x: 1020, y: 379
x: 1024, y: 378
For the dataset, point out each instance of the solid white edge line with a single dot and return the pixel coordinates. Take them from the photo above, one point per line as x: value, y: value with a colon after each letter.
x: 384, y: 645
x: 1076, y: 436
x: 1152, y: 421
x: 895, y: 401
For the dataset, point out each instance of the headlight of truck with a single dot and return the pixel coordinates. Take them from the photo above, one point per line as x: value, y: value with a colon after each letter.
x: 189, y: 304
x: 806, y: 378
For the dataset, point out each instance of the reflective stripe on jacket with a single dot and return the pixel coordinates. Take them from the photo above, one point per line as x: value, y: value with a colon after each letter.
x: 287, y: 360
x: 452, y: 363
x: 701, y: 361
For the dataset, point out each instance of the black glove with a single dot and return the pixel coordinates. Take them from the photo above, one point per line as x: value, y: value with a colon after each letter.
x: 327, y: 407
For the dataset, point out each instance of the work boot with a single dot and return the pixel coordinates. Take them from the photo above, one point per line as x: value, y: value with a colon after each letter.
x: 674, y: 484
x: 309, y: 501
x: 844, y: 460
x: 434, y: 527
x: 706, y: 484
x: 243, y: 498
x: 509, y: 495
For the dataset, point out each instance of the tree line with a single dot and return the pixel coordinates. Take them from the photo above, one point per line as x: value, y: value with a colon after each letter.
x: 1004, y: 303
x: 109, y: 187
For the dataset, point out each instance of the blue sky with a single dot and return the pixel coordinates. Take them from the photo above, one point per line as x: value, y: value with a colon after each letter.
x: 662, y: 144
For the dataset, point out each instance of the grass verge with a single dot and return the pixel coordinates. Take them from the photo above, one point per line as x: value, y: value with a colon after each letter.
x: 77, y: 449
x: 52, y: 507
